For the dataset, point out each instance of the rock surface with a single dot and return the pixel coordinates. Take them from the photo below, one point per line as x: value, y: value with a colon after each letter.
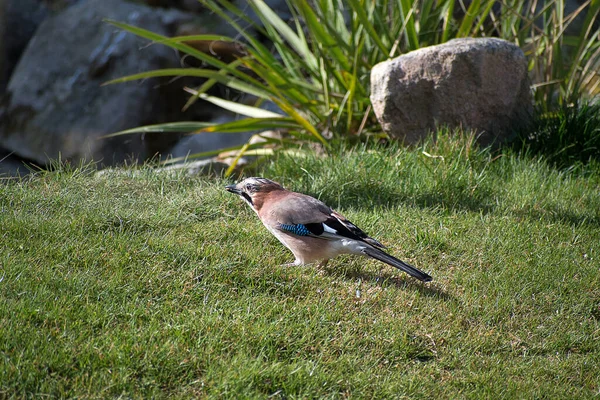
x: 18, y: 21
x: 56, y: 106
x: 480, y: 84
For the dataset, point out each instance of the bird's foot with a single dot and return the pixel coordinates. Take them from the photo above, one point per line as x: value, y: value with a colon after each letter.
x: 294, y: 264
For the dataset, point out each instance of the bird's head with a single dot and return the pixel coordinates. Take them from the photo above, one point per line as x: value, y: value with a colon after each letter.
x: 253, y: 190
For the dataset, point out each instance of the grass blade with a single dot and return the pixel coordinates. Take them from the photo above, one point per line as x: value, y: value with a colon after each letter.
x: 273, y: 20
x: 250, y: 124
x: 182, y: 126
x: 249, y: 111
x: 359, y: 8
x: 466, y: 25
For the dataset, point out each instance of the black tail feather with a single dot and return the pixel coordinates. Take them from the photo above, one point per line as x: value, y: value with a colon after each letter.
x: 394, y: 262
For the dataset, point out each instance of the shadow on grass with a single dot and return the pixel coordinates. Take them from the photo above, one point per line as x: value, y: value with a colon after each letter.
x: 555, y: 215
x: 431, y: 289
x: 452, y: 199
x: 445, y: 196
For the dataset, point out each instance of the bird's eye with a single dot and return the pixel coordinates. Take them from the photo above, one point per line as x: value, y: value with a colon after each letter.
x: 249, y: 188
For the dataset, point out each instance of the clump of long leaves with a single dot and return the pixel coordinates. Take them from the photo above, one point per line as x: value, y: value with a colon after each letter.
x: 316, y: 68
x: 563, y: 49
x: 567, y: 138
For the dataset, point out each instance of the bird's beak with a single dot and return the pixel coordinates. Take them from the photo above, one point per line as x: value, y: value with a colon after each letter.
x: 233, y: 189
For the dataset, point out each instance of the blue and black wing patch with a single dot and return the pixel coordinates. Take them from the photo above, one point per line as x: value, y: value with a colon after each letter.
x: 334, y: 227
x: 298, y: 229
x: 314, y: 229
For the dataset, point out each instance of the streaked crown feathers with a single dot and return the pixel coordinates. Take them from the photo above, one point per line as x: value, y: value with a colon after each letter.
x: 255, y: 184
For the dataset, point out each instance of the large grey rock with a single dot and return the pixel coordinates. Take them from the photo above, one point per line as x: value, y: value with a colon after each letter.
x: 479, y: 84
x: 56, y: 104
x: 18, y: 21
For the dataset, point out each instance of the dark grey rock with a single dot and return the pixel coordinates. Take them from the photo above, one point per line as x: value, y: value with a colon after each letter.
x: 56, y: 104
x: 18, y: 21
x: 480, y: 84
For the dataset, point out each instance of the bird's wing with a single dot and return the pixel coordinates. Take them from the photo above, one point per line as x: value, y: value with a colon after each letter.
x: 341, y: 224
x: 306, y: 216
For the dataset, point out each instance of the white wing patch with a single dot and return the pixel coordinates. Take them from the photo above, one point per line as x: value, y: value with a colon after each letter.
x: 329, y: 229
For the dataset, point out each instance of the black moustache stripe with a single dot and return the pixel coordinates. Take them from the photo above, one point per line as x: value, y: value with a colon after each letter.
x: 247, y: 197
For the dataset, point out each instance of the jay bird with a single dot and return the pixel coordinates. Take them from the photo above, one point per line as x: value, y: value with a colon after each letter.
x: 309, y: 228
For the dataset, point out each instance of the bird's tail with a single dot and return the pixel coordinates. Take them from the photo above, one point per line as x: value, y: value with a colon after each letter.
x: 394, y: 262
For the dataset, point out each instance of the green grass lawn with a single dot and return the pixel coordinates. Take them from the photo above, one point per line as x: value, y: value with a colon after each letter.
x: 148, y: 285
